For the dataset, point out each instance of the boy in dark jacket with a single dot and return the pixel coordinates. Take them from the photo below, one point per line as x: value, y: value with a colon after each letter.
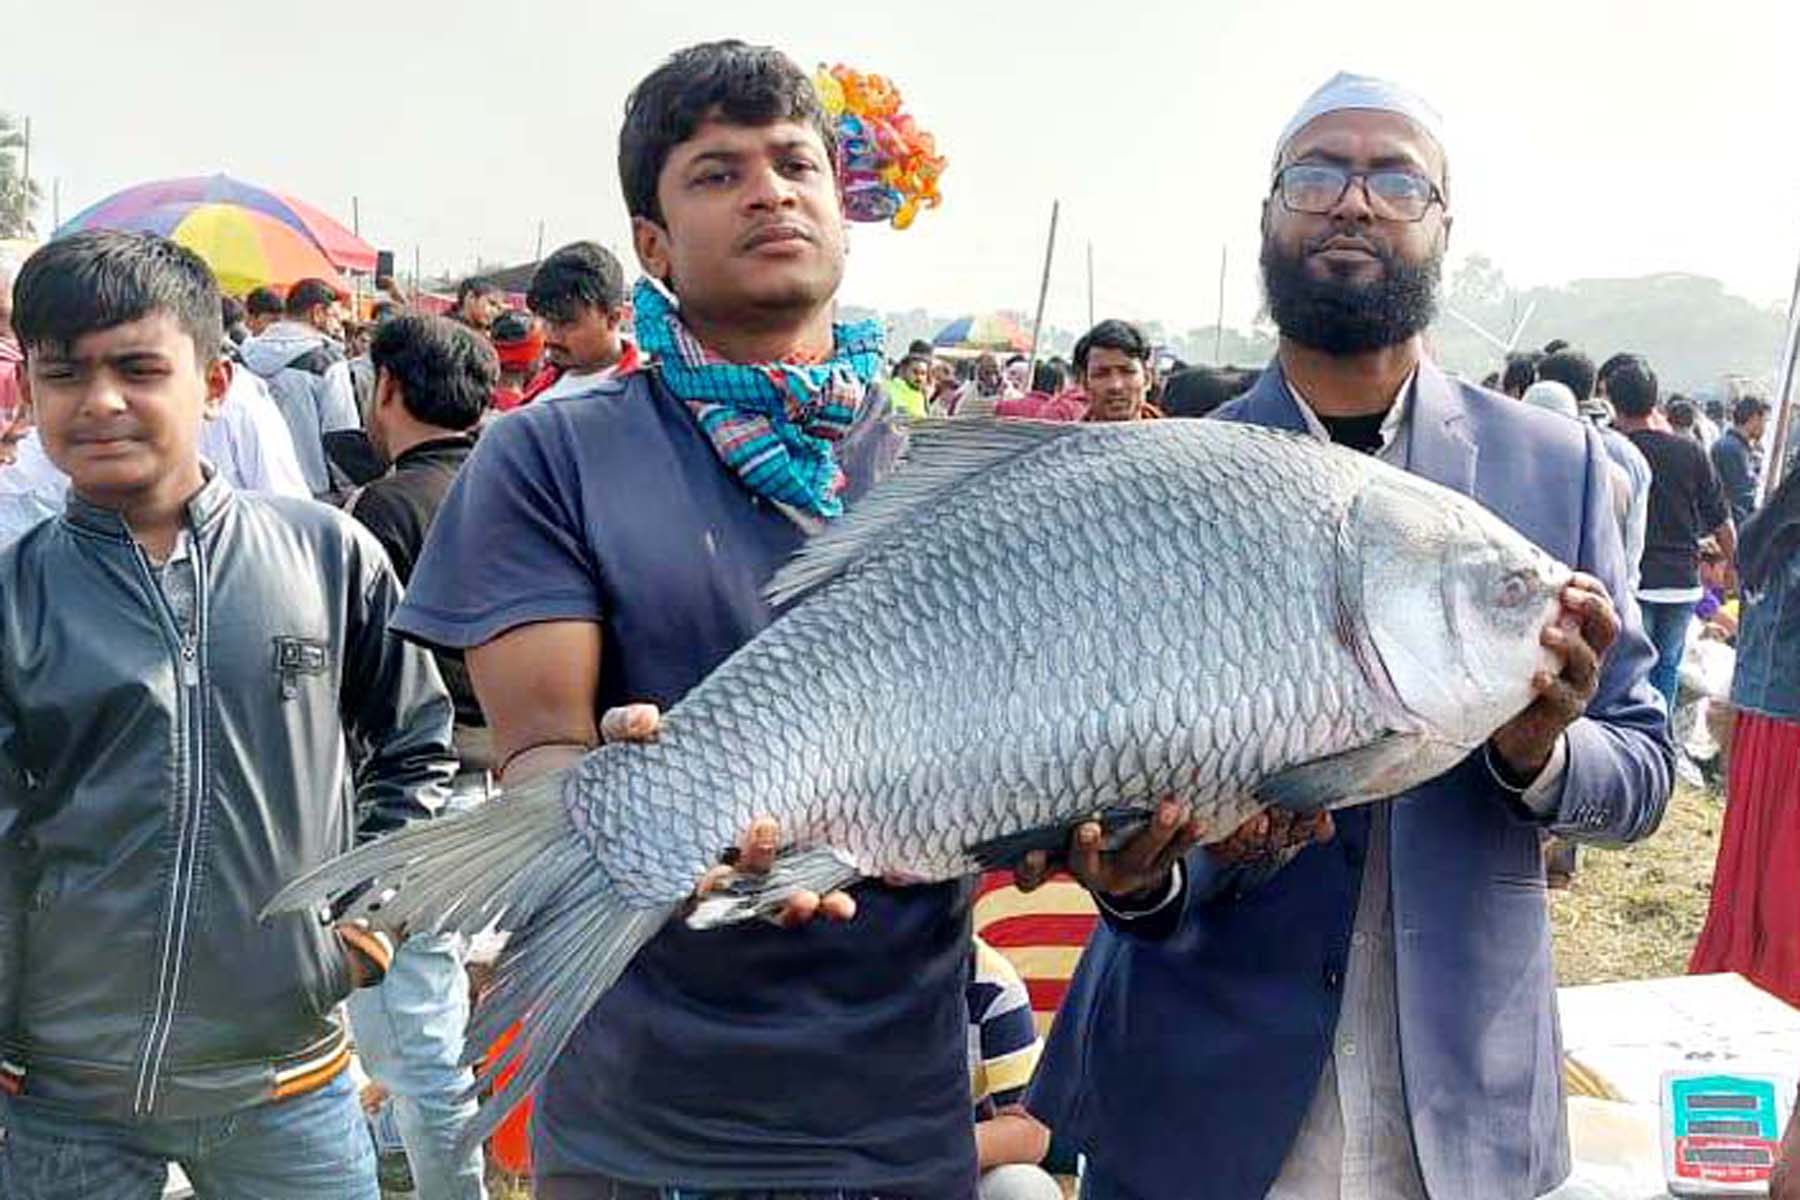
x: 183, y: 670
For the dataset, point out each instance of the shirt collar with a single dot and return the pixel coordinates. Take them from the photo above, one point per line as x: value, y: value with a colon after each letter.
x: 202, y: 508
x: 1398, y: 414
x: 425, y: 449
x: 181, y: 550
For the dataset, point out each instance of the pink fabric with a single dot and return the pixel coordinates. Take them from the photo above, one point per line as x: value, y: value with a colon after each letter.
x: 11, y: 364
x: 1039, y: 406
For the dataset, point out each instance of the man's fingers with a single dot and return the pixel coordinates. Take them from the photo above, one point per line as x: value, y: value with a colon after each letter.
x: 1581, y: 667
x: 630, y: 723
x: 1581, y: 581
x: 1323, y: 828
x: 1029, y: 875
x: 1587, y: 597
x: 1600, y: 626
x: 837, y: 906
x: 710, y: 881
x: 800, y: 908
x: 756, y: 852
x: 1084, y: 855
x: 1148, y: 847
x: 1185, y: 837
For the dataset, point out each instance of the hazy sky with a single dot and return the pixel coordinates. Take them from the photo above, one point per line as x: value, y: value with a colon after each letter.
x: 1585, y: 138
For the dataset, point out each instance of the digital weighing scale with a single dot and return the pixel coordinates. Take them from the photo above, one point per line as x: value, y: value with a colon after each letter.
x: 1721, y: 1130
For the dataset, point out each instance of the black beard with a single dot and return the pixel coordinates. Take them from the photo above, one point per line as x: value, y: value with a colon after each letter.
x: 1338, y: 317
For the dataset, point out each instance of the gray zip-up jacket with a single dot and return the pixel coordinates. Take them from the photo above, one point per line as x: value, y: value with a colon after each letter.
x: 158, y: 787
x: 309, y: 379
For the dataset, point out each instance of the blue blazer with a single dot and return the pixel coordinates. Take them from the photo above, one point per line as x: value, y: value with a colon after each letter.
x: 1184, y: 1064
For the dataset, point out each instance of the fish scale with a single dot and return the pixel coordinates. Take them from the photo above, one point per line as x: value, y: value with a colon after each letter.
x: 944, y: 661
x: 1029, y: 624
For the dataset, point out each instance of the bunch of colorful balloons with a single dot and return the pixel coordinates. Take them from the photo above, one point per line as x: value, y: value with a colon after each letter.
x: 888, y: 167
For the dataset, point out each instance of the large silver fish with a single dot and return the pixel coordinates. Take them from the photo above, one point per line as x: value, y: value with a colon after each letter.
x: 1028, y: 624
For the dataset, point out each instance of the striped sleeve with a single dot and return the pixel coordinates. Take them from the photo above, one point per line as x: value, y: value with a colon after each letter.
x: 1005, y: 1048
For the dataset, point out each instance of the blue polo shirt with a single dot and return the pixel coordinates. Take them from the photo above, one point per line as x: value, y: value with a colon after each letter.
x: 820, y: 1058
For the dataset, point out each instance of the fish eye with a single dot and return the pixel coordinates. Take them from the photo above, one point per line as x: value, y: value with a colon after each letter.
x: 1515, y: 589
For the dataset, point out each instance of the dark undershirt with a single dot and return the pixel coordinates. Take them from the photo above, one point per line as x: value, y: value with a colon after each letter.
x: 1358, y: 433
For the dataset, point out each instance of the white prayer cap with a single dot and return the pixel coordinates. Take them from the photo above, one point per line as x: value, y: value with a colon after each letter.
x: 1555, y: 396
x: 1349, y: 91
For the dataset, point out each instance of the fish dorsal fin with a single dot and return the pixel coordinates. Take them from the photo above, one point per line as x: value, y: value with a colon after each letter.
x: 940, y: 455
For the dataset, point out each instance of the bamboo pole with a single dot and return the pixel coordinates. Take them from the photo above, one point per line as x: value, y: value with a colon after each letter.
x: 1037, y: 326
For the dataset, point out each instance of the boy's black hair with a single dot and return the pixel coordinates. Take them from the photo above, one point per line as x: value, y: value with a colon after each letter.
x: 1556, y: 346
x: 263, y: 302
x: 1111, y: 335
x: 1520, y: 372
x: 1746, y: 409
x: 475, y: 285
x: 579, y: 275
x: 1631, y: 386
x: 102, y: 279
x: 307, y: 295
x: 446, y: 372
x: 1572, y: 369
x: 1047, y: 377
x: 1197, y: 391
x: 231, y: 311
x: 920, y: 348
x: 739, y: 83
x: 1612, y: 364
x: 509, y: 327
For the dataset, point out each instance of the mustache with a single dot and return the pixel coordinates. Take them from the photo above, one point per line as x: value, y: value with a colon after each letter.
x: 1323, y: 241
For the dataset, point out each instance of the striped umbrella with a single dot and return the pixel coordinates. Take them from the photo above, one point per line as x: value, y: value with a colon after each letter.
x: 246, y: 249
x: 150, y: 207
x: 983, y: 331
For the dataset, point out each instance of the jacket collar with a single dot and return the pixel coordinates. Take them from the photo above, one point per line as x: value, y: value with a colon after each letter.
x: 202, y: 508
x: 1441, y: 450
x: 454, y: 445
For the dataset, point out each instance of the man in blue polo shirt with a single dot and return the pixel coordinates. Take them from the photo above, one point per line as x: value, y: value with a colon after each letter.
x: 610, y: 548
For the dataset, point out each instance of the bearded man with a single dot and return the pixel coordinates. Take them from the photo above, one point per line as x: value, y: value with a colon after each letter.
x: 1298, y: 1016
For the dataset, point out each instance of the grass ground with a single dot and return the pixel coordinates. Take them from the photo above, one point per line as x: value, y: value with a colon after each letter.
x: 1632, y: 914
x: 1635, y: 913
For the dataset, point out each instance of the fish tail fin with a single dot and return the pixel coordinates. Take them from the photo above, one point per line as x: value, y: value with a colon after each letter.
x: 459, y: 874
x: 551, y: 972
x: 517, y: 863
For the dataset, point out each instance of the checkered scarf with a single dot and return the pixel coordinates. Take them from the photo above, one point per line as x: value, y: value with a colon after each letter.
x: 775, y: 424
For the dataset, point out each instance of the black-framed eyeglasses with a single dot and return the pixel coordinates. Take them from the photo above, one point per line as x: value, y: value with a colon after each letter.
x: 1394, y: 194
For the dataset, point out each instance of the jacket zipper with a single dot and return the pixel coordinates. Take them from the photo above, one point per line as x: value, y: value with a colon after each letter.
x: 190, y: 728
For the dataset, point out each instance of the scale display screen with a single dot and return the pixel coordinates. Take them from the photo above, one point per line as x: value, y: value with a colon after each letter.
x: 1721, y: 1132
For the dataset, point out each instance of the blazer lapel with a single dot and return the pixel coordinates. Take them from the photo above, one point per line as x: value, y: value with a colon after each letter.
x: 1442, y: 448
x: 1271, y: 404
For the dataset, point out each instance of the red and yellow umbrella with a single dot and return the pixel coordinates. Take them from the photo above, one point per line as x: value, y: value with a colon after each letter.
x: 246, y: 249
x: 983, y: 331
x: 250, y: 236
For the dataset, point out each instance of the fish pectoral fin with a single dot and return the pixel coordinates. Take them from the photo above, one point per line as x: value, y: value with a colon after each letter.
x: 744, y: 896
x: 1385, y: 767
x: 1116, y: 824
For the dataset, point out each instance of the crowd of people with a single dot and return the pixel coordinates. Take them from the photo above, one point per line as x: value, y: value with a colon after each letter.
x: 280, y: 576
